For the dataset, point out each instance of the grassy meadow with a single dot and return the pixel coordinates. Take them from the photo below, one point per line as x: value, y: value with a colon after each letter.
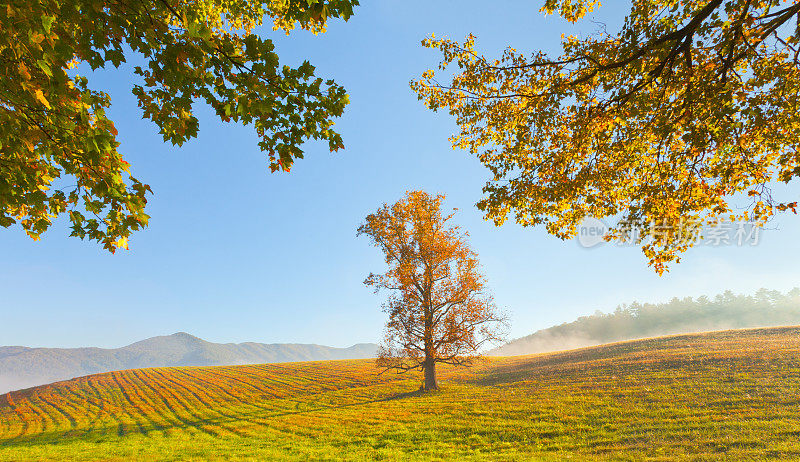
x: 733, y: 394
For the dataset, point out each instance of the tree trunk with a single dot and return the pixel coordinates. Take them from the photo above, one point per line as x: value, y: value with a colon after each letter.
x: 430, y: 374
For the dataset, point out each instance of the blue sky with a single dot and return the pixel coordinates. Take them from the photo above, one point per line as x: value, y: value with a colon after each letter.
x: 234, y: 253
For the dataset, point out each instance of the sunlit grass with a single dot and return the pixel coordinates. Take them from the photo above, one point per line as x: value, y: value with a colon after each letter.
x: 733, y: 394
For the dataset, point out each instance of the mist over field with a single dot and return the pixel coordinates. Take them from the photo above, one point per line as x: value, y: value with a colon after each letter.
x: 766, y: 308
x: 8, y: 384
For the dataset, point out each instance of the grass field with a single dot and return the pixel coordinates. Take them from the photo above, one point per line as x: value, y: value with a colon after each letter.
x: 732, y: 395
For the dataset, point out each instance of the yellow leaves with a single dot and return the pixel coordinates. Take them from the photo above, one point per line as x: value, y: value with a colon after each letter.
x: 122, y: 243
x: 571, y: 10
x: 40, y: 97
x: 580, y: 133
x: 44, y: 185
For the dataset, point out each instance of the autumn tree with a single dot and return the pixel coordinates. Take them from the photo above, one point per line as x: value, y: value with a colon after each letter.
x: 685, y: 116
x: 59, y: 151
x: 439, y: 309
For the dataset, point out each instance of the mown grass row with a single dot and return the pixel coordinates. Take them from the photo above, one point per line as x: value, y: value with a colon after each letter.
x: 731, y: 394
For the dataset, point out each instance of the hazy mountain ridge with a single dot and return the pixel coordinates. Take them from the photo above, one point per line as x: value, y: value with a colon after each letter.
x: 23, y: 367
x: 766, y: 308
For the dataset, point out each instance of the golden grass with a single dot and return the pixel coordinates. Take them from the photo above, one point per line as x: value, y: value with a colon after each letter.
x: 732, y: 395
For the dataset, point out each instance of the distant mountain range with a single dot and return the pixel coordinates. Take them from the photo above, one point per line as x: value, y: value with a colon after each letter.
x: 22, y: 367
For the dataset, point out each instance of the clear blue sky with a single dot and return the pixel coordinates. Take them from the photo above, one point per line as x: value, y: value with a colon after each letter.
x: 235, y: 254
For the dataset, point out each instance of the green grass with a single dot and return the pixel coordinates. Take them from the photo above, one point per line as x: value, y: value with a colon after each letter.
x: 733, y: 395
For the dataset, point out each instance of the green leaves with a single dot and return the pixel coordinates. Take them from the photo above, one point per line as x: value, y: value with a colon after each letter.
x: 58, y: 151
x: 571, y: 10
x: 47, y: 22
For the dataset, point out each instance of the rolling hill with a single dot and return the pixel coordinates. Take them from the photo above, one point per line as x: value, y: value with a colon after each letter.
x: 22, y: 367
x: 723, y: 395
x: 765, y: 308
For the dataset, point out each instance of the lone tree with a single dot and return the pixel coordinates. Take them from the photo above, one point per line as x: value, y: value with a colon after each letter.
x: 58, y: 149
x: 439, y: 310
x: 683, y: 117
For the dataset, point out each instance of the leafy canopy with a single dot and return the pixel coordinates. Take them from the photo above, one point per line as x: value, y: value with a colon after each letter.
x: 439, y: 308
x: 682, y: 118
x: 58, y: 150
